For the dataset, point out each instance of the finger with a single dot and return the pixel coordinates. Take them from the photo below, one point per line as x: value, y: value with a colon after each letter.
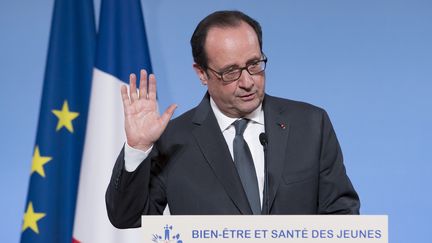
x: 125, y: 96
x: 143, y: 84
x: 152, y: 87
x: 133, y: 90
x: 166, y: 116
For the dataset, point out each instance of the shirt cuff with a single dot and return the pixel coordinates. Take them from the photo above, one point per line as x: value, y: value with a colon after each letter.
x: 134, y: 157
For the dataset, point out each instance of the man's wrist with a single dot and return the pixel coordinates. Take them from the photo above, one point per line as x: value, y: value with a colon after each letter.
x: 143, y: 148
x: 133, y: 156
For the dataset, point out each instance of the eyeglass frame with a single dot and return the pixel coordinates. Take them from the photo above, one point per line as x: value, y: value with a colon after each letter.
x: 220, y: 74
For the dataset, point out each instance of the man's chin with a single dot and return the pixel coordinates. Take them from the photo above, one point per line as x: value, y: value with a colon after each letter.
x: 248, y: 107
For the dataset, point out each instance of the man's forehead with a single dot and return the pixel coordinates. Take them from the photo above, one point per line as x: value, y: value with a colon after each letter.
x: 232, y: 43
x: 219, y: 29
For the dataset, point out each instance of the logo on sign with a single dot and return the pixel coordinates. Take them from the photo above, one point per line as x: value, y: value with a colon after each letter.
x: 167, y: 236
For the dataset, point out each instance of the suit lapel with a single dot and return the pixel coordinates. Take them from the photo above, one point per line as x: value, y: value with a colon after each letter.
x: 277, y: 130
x: 215, y: 150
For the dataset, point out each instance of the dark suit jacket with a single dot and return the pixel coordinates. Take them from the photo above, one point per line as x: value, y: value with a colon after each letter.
x: 191, y: 169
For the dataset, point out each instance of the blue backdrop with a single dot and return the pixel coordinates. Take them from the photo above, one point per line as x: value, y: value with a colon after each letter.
x: 368, y: 63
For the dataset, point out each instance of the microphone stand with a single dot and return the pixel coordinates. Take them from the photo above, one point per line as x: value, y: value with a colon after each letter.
x: 264, y: 141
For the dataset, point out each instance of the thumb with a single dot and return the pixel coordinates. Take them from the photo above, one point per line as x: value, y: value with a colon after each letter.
x: 166, y: 116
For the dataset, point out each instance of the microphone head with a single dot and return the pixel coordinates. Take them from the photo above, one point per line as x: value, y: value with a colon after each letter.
x: 263, y: 139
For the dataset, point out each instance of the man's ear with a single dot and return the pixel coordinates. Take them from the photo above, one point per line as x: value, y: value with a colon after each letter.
x: 202, y: 75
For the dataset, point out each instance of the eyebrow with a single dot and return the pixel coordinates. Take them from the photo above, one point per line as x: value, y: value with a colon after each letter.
x: 233, y: 66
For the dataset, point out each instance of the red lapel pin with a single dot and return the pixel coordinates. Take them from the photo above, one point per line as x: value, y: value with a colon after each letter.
x: 282, y: 125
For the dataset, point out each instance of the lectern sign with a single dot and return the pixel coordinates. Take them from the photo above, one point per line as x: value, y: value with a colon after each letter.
x: 278, y: 228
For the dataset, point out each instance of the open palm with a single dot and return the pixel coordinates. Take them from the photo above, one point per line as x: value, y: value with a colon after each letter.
x: 143, y: 123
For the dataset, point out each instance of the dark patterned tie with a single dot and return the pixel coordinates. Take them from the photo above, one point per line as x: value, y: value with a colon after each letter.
x: 245, y: 166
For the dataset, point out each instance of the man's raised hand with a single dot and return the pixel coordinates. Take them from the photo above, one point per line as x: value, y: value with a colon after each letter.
x: 143, y: 123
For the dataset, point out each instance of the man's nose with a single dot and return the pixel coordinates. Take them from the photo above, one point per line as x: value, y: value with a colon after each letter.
x: 246, y: 80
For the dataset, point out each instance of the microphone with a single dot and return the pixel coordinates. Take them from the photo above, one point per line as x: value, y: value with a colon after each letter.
x: 264, y: 141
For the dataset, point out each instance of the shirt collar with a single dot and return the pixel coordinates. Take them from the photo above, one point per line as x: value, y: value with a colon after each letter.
x: 256, y: 116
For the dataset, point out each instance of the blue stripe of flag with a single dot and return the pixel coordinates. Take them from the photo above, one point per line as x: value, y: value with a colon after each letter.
x: 122, y: 43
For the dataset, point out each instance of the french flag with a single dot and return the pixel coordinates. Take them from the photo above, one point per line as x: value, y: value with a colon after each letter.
x: 121, y: 48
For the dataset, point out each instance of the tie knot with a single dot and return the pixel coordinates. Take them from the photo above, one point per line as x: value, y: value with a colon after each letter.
x: 240, y: 126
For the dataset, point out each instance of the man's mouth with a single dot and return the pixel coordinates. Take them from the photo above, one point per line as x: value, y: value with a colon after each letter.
x: 247, y: 97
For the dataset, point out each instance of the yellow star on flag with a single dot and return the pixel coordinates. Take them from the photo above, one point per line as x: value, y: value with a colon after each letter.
x: 31, y: 218
x: 65, y: 117
x: 38, y: 162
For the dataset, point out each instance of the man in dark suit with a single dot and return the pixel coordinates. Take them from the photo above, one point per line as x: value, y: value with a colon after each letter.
x: 240, y: 151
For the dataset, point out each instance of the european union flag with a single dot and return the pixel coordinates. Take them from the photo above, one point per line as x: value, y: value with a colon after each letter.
x: 50, y: 205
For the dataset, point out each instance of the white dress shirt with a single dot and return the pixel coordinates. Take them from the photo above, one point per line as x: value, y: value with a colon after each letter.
x: 253, y: 129
x: 133, y: 157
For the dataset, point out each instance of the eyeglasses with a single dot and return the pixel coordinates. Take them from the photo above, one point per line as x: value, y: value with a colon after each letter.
x: 234, y: 74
